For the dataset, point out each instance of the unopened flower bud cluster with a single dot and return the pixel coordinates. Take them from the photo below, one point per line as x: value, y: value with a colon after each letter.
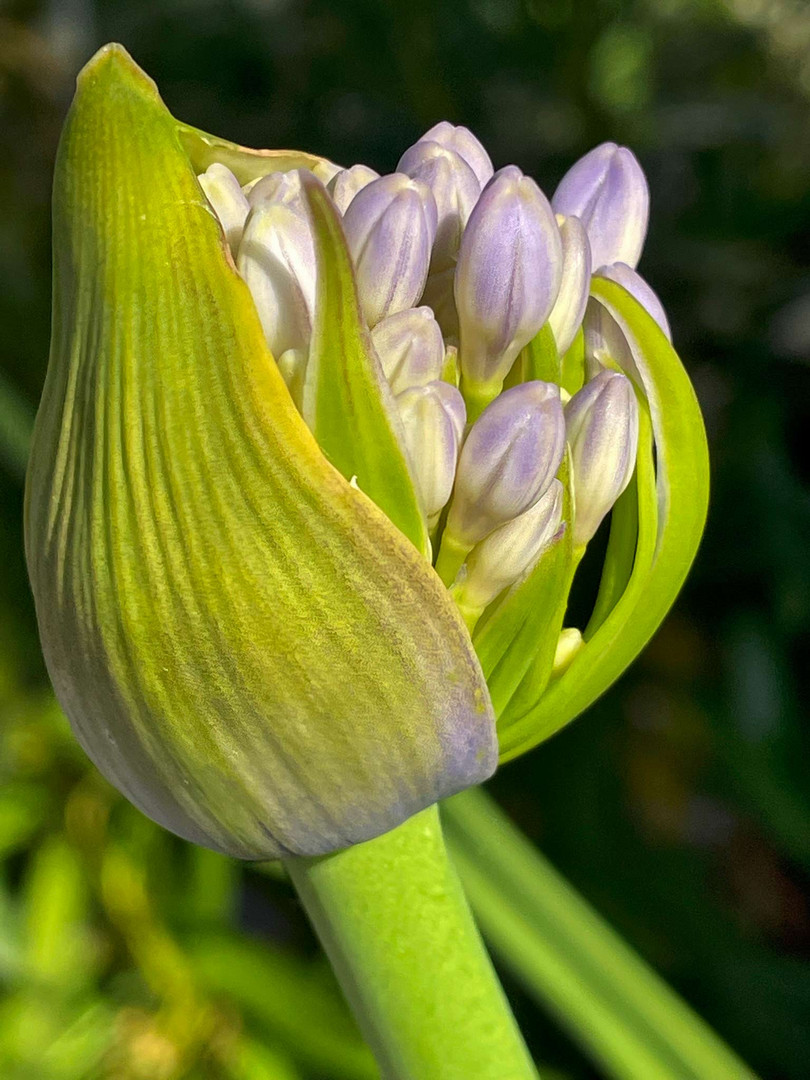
x: 458, y: 268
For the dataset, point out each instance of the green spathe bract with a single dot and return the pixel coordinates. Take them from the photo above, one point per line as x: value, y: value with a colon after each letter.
x: 244, y: 643
x: 655, y: 532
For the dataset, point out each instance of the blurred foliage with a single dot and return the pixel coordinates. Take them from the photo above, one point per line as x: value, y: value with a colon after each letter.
x: 681, y: 804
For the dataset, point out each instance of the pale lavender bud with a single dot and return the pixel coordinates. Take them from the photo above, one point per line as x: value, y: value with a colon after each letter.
x: 455, y: 188
x: 344, y: 185
x: 410, y: 348
x: 569, y: 307
x: 277, y: 260
x: 509, y: 551
x: 508, y: 275
x: 465, y: 144
x: 390, y: 226
x: 602, y: 430
x: 509, y: 458
x: 433, y: 419
x: 607, y: 190
x: 635, y: 284
x: 227, y: 200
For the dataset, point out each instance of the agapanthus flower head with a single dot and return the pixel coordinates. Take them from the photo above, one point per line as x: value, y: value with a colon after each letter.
x: 305, y: 501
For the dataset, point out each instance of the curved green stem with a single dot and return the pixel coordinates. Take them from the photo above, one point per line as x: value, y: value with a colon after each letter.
x: 572, y: 962
x: 397, y: 928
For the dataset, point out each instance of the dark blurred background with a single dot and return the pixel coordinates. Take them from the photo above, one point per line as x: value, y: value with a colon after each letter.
x: 680, y: 805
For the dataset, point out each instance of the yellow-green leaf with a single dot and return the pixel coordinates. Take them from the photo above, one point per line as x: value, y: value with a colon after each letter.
x: 245, y: 645
x: 347, y: 401
x: 672, y: 501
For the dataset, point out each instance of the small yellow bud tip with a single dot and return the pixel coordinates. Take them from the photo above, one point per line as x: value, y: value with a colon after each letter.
x: 113, y: 63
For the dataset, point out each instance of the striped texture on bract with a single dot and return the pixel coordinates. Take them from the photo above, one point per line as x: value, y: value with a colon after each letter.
x: 244, y: 644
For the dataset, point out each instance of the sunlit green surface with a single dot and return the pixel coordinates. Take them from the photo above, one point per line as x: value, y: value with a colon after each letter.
x: 679, y: 805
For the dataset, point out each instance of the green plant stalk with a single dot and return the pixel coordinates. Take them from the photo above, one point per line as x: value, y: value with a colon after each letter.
x: 568, y: 958
x: 397, y: 928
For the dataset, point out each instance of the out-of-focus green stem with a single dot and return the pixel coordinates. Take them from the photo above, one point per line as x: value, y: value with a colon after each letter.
x: 398, y: 931
x: 571, y: 961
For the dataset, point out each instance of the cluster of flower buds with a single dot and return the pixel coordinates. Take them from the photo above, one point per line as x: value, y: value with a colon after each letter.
x: 276, y: 389
x: 459, y: 269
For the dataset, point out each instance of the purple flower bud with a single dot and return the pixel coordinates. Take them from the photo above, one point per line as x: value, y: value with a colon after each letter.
x: 509, y: 551
x: 607, y: 190
x: 433, y: 419
x: 455, y: 188
x: 508, y: 275
x: 465, y: 144
x: 602, y: 430
x: 277, y: 260
x: 410, y: 348
x: 345, y: 184
x: 508, y: 460
x: 228, y: 201
x: 569, y: 307
x: 635, y: 284
x: 390, y: 226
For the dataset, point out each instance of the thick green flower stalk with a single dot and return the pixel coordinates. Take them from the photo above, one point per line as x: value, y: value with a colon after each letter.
x: 318, y: 455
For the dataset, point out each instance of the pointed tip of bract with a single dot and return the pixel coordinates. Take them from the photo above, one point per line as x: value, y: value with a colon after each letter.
x: 113, y: 65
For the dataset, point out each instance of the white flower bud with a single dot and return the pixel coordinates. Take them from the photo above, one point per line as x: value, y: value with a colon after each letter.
x: 433, y: 419
x: 511, y: 550
x: 292, y: 365
x: 279, y: 188
x: 277, y: 260
x: 345, y: 184
x: 568, y: 645
x: 410, y: 348
x: 569, y: 307
x: 465, y: 144
x: 228, y: 201
x: 602, y: 430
